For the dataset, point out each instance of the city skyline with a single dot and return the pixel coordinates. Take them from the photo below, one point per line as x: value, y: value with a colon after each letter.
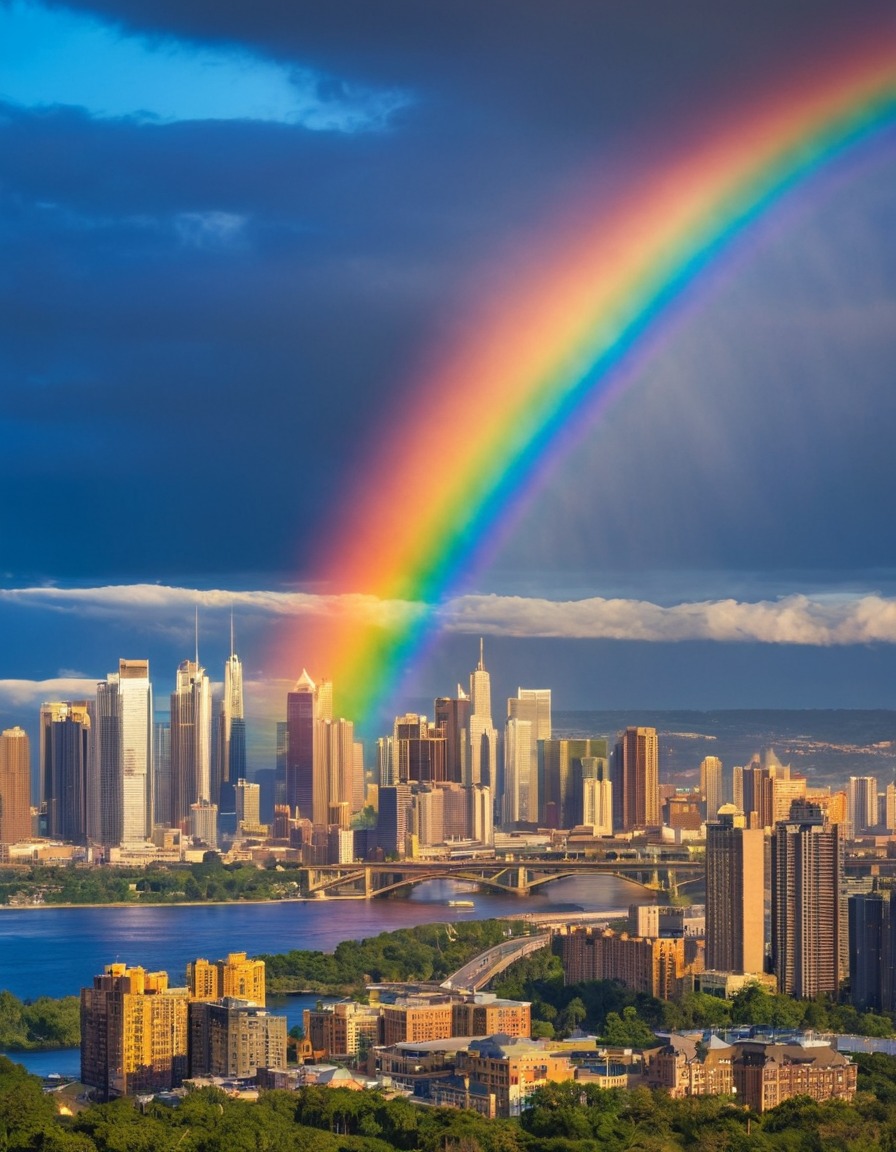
x: 245, y: 290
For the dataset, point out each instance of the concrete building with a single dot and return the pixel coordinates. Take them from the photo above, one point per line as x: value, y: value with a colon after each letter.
x: 530, y: 706
x: 482, y: 738
x: 236, y: 976
x: 807, y: 913
x: 64, y: 759
x: 134, y: 1033
x: 711, y: 786
x: 232, y: 1037
x: 342, y: 1030
x: 191, y: 735
x: 15, y: 786
x: 636, y: 786
x: 735, y: 894
x: 505, y: 1069
x: 662, y: 967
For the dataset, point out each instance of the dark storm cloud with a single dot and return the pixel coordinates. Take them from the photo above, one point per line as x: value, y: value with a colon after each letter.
x: 203, y: 323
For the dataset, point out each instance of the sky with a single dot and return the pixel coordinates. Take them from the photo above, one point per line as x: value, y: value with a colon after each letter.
x: 239, y: 243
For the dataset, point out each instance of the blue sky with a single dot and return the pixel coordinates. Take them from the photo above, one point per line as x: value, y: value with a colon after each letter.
x: 232, y: 234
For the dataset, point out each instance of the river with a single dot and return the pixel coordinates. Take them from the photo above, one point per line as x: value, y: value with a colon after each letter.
x: 57, y: 951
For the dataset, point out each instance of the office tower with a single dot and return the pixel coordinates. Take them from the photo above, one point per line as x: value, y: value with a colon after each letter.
x: 384, y: 761
x: 711, y: 786
x: 419, y: 750
x: 335, y: 741
x: 861, y: 804
x: 533, y: 705
x: 236, y: 975
x: 428, y: 815
x: 758, y: 796
x: 306, y: 769
x: 104, y: 792
x: 230, y: 758
x: 161, y: 789
x: 735, y: 894
x: 560, y: 778
x: 358, y: 782
x: 15, y: 786
x: 393, y: 818
x: 134, y: 1033
x: 737, y: 787
x: 597, y: 796
x: 785, y: 793
x: 871, y: 952
x: 234, y: 1038
x: 807, y: 865
x: 483, y: 739
x: 517, y: 791
x: 64, y: 760
x: 120, y: 799
x: 481, y: 819
x: 452, y: 715
x: 248, y: 805
x: 636, y: 784
x: 280, y: 763
x: 890, y: 808
x: 191, y: 730
x: 136, y: 749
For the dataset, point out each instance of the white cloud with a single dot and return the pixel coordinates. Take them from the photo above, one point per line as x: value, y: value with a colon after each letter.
x: 32, y: 693
x: 795, y: 619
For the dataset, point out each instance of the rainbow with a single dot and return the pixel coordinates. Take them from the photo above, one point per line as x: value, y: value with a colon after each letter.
x: 559, y: 337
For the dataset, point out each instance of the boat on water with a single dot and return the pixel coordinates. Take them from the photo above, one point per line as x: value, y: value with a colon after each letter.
x: 461, y: 904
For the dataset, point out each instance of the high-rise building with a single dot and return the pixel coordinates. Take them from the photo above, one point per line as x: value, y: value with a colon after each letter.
x: 735, y: 894
x: 230, y: 757
x: 711, y: 786
x: 234, y: 1038
x: 307, y: 784
x: 134, y: 1033
x: 482, y: 738
x: 560, y: 776
x: 191, y: 733
x: 871, y: 952
x: 518, y: 740
x: 807, y: 920
x: 161, y: 789
x: 120, y: 791
x: 636, y: 783
x: 15, y: 786
x: 236, y: 975
x: 452, y: 716
x: 532, y: 705
x: 64, y: 761
x: 597, y: 796
x: 861, y: 804
x: 248, y: 805
x: 419, y: 750
x: 393, y: 819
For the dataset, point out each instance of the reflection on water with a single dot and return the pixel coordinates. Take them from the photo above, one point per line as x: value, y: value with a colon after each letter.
x: 55, y: 952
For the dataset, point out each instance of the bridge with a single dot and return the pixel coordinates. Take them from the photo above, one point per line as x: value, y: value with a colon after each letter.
x: 520, y: 877
x: 480, y: 970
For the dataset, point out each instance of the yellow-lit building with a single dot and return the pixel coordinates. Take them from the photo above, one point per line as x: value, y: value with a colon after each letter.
x: 656, y: 966
x: 134, y: 1032
x: 236, y: 976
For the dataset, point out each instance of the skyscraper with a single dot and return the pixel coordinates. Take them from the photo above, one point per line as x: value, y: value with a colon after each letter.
x: 191, y: 732
x: 15, y: 786
x: 861, y: 804
x: 871, y: 951
x: 517, y: 790
x: 560, y: 776
x: 307, y: 783
x: 735, y: 894
x: 534, y: 706
x: 230, y: 758
x: 711, y: 785
x: 452, y: 716
x: 807, y: 923
x: 636, y: 784
x: 483, y: 739
x: 64, y: 759
x: 121, y: 774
